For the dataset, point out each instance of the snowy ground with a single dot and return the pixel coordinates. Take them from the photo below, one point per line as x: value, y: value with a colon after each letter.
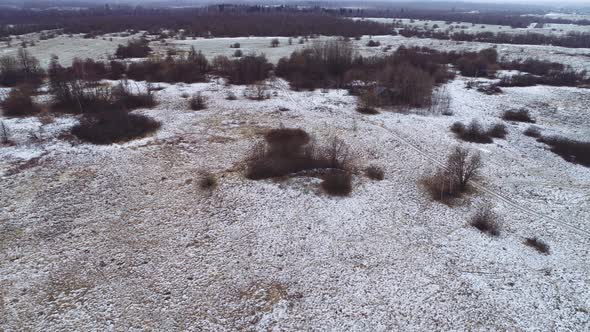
x: 547, y: 29
x: 121, y: 237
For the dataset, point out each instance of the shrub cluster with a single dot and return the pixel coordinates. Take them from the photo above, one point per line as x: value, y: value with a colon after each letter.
x: 486, y: 221
x: 19, y: 102
x: 518, y: 115
x: 481, y: 64
x: 405, y: 78
x: 197, y: 102
x: 114, y: 126
x: 187, y: 69
x: 288, y: 151
x: 533, y: 131
x: 577, y: 152
x: 22, y: 69
x: 476, y: 133
x: 135, y: 48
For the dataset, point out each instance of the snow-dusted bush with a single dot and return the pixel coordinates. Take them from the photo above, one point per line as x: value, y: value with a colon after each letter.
x: 287, y: 151
x: 207, y: 181
x: 519, y: 115
x: 474, y: 132
x: 538, y: 244
x: 486, y: 220
x: 533, y: 131
x: 375, y: 173
x: 135, y: 48
x: 197, y: 102
x: 498, y: 130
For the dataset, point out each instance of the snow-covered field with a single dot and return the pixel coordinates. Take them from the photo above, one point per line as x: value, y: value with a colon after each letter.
x: 467, y: 27
x: 579, y: 58
x: 68, y: 48
x: 121, y: 237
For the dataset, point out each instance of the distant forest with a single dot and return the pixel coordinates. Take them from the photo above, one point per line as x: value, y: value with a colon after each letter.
x: 244, y: 20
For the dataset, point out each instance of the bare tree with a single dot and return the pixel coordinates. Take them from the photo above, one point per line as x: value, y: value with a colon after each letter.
x: 4, y: 135
x: 463, y: 166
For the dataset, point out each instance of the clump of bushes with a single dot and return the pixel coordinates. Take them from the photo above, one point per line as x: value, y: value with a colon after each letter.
x: 258, y: 91
x: 452, y: 180
x: 539, y: 245
x: 135, y: 48
x: 481, y: 64
x: 576, y: 152
x: 486, y: 221
x: 498, y: 130
x: 288, y: 151
x: 520, y: 115
x: 367, y: 102
x: 474, y: 132
x: 19, y: 102
x: 191, y: 68
x: 122, y: 95
x: 375, y: 173
x: 197, y: 102
x: 373, y: 43
x: 337, y: 183
x: 22, y: 69
x: 533, y: 131
x: 113, y: 127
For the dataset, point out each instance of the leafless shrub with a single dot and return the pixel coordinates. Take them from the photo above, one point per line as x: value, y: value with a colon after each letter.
x: 498, y: 130
x: 452, y: 181
x: 337, y: 183
x: 486, y: 221
x: 4, y: 133
x: 287, y: 151
x: 441, y: 102
x: 231, y: 96
x: 375, y: 173
x: 274, y: 42
x: 258, y: 91
x: 533, y: 131
x: 474, y: 132
x: 114, y: 126
x: 367, y: 102
x: 19, y: 102
x: 373, y: 43
x: 577, y: 152
x: 123, y: 95
x: 198, y: 102
x: 540, y: 245
x: 207, y: 181
x: 520, y: 115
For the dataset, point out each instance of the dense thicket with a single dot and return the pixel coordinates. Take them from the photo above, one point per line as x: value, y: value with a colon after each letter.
x: 22, y: 69
x: 405, y: 78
